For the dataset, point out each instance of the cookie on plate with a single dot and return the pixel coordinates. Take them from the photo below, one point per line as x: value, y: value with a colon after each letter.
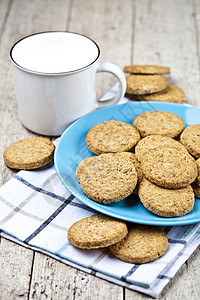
x: 96, y: 231
x: 145, y: 84
x: 146, y: 69
x: 30, y: 153
x: 190, y: 138
x: 136, y: 164
x: 172, y: 93
x: 160, y: 123
x: 155, y: 141
x: 107, y: 178
x: 169, y: 167
x: 112, y: 136
x: 166, y: 202
x: 142, y: 244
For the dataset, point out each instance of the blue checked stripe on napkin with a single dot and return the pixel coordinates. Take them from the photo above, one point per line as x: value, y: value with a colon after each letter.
x: 36, y: 210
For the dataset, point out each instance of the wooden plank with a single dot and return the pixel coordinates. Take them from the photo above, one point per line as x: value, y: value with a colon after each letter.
x: 15, y: 270
x: 24, y: 17
x: 32, y: 16
x: 165, y: 34
x: 4, y: 11
x: 109, y: 24
x: 53, y: 280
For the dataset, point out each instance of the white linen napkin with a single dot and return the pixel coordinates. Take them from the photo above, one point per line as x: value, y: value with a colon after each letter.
x: 36, y: 210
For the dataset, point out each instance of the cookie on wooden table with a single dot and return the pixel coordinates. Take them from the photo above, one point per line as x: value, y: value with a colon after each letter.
x: 145, y: 84
x: 96, y: 231
x: 142, y: 244
x: 146, y: 69
x: 172, y: 93
x: 112, y: 136
x: 155, y: 141
x: 169, y: 167
x: 190, y: 138
x: 107, y: 178
x: 166, y: 202
x: 30, y: 153
x: 160, y: 123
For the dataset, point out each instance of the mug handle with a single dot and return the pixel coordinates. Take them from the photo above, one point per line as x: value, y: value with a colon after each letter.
x: 117, y: 72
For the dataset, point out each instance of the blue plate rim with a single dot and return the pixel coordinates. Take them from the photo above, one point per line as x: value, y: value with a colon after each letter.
x: 102, y: 209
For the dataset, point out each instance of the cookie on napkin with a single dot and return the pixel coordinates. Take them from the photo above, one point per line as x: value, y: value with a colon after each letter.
x: 142, y: 244
x: 145, y: 84
x: 96, y: 231
x: 146, y: 69
x: 112, y: 136
x: 30, y: 153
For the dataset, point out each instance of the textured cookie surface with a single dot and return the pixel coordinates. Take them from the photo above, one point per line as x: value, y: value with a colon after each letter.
x: 172, y: 93
x: 30, y: 153
x: 160, y: 123
x: 155, y: 141
x: 146, y: 69
x: 132, y: 157
x: 169, y: 167
x: 107, y: 178
x: 96, y: 231
x: 166, y: 202
x: 190, y: 137
x: 144, y: 84
x: 142, y: 244
x: 112, y: 136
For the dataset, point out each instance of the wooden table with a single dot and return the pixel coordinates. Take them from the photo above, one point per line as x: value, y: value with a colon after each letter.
x: 127, y: 31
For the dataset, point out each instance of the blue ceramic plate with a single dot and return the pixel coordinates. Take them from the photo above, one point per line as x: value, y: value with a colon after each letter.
x: 72, y: 149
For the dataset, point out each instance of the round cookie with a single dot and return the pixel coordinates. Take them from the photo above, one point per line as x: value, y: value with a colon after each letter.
x: 166, y: 202
x: 155, y: 141
x: 145, y: 84
x: 107, y: 178
x: 198, y: 168
x: 146, y: 69
x: 190, y: 138
x: 160, y: 123
x: 172, y: 93
x: 169, y: 167
x: 112, y: 136
x: 30, y: 153
x: 96, y: 231
x: 143, y: 244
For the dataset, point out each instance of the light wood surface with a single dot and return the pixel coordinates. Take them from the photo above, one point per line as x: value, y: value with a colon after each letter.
x: 127, y: 31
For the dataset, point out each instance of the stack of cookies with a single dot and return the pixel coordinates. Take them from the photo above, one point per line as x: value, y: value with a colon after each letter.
x: 156, y: 158
x: 148, y: 84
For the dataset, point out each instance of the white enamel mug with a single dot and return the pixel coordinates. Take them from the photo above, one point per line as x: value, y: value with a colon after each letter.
x: 56, y: 80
